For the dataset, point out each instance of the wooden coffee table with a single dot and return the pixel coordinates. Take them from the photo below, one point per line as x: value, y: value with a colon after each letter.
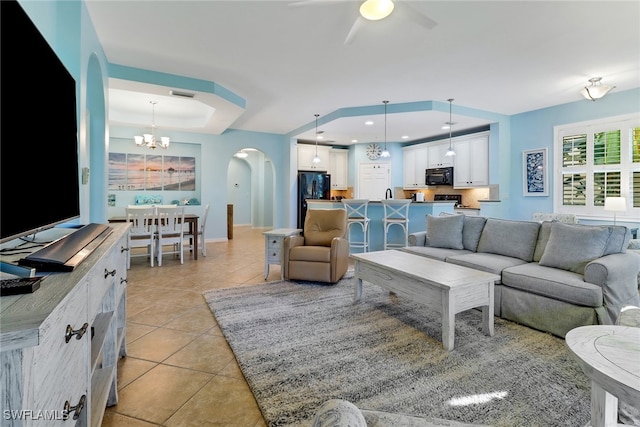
x: 610, y: 356
x: 446, y: 288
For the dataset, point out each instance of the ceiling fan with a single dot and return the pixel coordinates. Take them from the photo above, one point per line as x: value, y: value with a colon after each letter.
x: 375, y: 10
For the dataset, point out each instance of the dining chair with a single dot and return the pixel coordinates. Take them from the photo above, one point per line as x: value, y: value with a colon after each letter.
x: 189, y: 235
x: 141, y: 231
x: 170, y: 231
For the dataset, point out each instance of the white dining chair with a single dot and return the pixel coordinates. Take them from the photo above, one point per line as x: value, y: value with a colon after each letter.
x: 141, y: 231
x: 170, y: 232
x: 200, y: 231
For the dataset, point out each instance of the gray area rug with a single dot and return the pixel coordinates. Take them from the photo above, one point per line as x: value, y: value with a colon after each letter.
x: 300, y: 344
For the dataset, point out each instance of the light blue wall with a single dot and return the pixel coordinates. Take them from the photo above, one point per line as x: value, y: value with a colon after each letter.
x: 534, y: 129
x: 66, y: 25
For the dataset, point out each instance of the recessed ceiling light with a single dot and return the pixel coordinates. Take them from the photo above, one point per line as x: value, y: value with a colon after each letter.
x: 354, y: 140
x: 368, y: 122
x: 405, y: 137
x: 445, y: 126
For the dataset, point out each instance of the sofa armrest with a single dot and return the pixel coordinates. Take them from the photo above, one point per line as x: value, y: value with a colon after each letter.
x: 617, y: 275
x: 418, y: 238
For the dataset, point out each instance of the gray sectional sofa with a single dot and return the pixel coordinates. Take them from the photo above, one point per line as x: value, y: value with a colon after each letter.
x: 554, y: 276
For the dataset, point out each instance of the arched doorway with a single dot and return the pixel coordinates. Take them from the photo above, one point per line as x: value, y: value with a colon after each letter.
x: 251, y: 189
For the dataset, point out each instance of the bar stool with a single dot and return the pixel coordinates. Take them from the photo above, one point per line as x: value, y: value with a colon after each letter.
x: 357, y: 214
x: 396, y: 212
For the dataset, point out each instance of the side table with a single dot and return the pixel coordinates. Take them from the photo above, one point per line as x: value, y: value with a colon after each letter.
x: 609, y: 356
x: 273, y: 247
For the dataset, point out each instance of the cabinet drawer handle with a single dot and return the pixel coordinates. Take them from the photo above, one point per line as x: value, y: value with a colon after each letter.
x: 70, y: 332
x: 108, y: 273
x: 76, y: 409
x: 123, y: 280
x: 123, y: 249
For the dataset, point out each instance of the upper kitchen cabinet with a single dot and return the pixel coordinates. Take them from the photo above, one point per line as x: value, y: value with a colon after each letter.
x: 306, y: 152
x: 416, y: 161
x: 437, y: 158
x: 471, y: 167
x: 338, y: 168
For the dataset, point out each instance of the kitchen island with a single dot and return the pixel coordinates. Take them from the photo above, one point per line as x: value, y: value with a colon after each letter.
x: 418, y: 212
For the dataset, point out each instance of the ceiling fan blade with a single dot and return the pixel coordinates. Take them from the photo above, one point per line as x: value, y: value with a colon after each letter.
x: 410, y: 12
x: 357, y: 24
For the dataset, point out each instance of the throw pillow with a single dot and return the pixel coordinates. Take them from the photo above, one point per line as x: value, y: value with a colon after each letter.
x: 543, y: 239
x: 445, y: 231
x: 472, y: 230
x: 572, y: 247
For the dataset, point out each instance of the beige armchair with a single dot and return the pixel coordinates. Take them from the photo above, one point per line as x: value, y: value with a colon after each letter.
x: 322, y: 254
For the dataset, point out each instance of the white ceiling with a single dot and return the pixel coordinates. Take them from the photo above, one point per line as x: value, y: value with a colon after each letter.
x: 291, y: 61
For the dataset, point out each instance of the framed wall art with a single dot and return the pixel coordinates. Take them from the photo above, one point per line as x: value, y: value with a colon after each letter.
x: 535, y: 172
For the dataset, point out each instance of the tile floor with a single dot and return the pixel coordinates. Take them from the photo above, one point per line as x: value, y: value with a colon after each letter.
x: 179, y: 369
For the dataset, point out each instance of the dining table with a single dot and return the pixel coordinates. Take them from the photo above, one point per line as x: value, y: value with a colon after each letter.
x: 190, y: 219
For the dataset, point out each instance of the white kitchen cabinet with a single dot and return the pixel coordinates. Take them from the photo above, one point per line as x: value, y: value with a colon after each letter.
x: 59, y: 346
x: 306, y: 153
x: 415, y: 163
x: 471, y: 167
x: 437, y: 155
x: 338, y: 168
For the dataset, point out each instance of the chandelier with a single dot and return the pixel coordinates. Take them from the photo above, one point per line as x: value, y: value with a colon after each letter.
x: 150, y: 140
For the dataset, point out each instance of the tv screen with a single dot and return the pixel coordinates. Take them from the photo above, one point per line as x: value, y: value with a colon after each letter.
x: 39, y: 179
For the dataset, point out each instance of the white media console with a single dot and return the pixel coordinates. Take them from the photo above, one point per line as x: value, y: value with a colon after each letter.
x: 59, y: 346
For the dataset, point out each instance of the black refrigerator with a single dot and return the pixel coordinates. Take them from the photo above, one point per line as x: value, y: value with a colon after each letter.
x: 311, y: 185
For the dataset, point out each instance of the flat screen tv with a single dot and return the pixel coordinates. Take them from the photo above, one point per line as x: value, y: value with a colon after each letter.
x: 39, y: 179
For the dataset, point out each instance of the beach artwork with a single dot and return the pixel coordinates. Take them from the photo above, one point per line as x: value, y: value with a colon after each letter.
x: 134, y: 172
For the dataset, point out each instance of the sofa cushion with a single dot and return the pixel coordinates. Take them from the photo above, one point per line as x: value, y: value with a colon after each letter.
x: 510, y: 238
x: 472, y: 230
x: 440, y: 254
x: 445, y: 231
x: 491, y: 263
x: 571, y: 247
x: 543, y: 239
x: 553, y: 283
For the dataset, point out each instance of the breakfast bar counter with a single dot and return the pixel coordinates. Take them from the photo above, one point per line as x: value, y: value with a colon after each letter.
x: 418, y: 212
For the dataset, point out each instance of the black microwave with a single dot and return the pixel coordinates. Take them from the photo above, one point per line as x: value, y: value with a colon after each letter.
x: 439, y: 176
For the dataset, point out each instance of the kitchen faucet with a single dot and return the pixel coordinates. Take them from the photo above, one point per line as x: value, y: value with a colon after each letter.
x: 388, y: 194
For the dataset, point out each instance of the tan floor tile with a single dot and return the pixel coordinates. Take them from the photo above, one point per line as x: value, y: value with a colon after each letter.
x: 130, y: 369
x: 157, y: 315
x: 222, y: 402
x: 135, y: 331
x: 232, y: 370
x: 159, y: 344
x: 207, y: 353
x: 159, y: 393
x: 196, y: 320
x: 113, y: 419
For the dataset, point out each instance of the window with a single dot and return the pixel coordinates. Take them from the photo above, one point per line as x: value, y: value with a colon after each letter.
x: 597, y: 160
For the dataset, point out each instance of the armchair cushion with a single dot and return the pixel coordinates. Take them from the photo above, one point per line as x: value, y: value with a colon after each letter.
x: 322, y: 225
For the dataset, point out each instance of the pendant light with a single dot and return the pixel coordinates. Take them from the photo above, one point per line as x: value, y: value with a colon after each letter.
x: 450, y: 152
x: 316, y: 159
x: 385, y: 152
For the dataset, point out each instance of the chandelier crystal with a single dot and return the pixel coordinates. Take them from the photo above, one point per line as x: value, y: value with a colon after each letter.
x: 150, y: 140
